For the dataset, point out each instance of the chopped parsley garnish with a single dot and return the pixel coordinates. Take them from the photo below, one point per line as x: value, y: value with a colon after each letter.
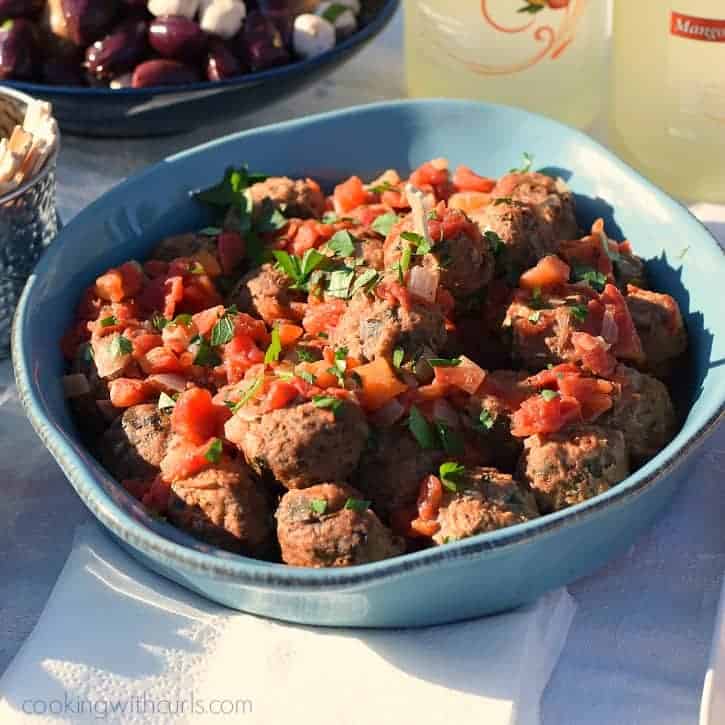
x: 503, y: 200
x: 405, y: 259
x: 579, y: 312
x: 330, y: 217
x: 159, y: 321
x: 531, y: 8
x: 307, y: 377
x: 422, y: 246
x: 249, y: 393
x: 230, y: 190
x: 304, y: 355
x: 450, y: 439
x: 535, y: 316
x: 206, y: 355
x: 596, y: 280
x: 536, y: 301
x: 486, y: 420
x: 444, y: 362
x: 398, y: 357
x: 497, y: 244
x: 339, y: 283
x: 327, y: 402
x: 421, y: 430
x: 269, y: 218
x: 299, y: 270
x: 450, y: 474
x: 109, y: 321
x: 184, y: 320
x: 121, y: 345
x: 197, y: 268
x: 223, y: 330
x: 274, y: 349
x: 318, y: 506
x: 681, y: 255
x: 357, y: 504
x: 366, y: 281
x: 214, y: 452
x: 385, y: 222
x: 342, y: 244
x: 549, y: 395
x: 525, y: 164
x: 210, y: 231
x: 385, y: 185
x: 166, y: 402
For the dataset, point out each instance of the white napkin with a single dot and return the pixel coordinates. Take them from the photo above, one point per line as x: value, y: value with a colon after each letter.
x: 119, y: 644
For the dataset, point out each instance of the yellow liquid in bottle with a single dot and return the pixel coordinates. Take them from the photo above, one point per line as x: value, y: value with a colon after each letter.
x: 667, y: 112
x: 551, y: 60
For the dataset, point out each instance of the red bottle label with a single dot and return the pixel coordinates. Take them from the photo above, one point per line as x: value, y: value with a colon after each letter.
x: 689, y: 26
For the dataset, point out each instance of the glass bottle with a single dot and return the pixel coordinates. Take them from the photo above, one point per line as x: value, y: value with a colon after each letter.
x: 667, y: 111
x: 548, y: 56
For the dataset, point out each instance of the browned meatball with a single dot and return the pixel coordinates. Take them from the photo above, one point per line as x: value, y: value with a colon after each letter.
x: 629, y: 269
x: 225, y: 507
x: 136, y: 442
x: 392, y: 467
x: 372, y: 328
x: 463, y: 257
x: 328, y: 525
x: 293, y: 197
x: 531, y: 213
x: 484, y: 500
x: 573, y: 465
x: 265, y: 292
x: 659, y: 323
x: 303, y: 445
x: 541, y: 326
x: 183, y: 245
x: 643, y: 412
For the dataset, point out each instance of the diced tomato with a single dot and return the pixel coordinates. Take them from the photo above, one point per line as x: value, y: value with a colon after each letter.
x: 289, y: 334
x: 550, y: 271
x: 594, y: 354
x: 156, y: 498
x: 239, y: 356
x: 425, y: 528
x: 279, y: 395
x: 452, y: 224
x: 589, y: 252
x: 349, y: 195
x: 173, y: 294
x: 177, y: 336
x: 433, y: 391
x: 506, y: 184
x: 320, y: 370
x: 323, y: 317
x: 232, y: 248
x: 206, y: 319
x: 467, y: 376
x: 119, y: 283
x: 195, y: 417
x: 433, y: 174
x: 144, y: 342
x: 160, y: 360
x: 550, y: 377
x: 464, y: 179
x: 379, y: 384
x: 245, y: 324
x: 199, y: 293
x: 625, y: 247
x: 540, y: 415
x: 558, y: 4
x: 628, y: 345
x: 430, y: 497
x: 394, y: 294
x: 184, y: 459
x: 394, y: 199
x: 594, y: 396
x: 307, y: 237
x: 126, y: 392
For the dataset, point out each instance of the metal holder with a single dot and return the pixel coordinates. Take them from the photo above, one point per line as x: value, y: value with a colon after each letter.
x: 28, y: 220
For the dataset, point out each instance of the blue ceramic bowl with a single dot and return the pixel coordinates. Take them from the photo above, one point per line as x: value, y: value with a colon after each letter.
x: 484, y: 574
x: 166, y: 110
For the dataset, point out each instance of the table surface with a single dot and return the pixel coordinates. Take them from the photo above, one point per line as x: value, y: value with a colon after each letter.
x: 638, y: 648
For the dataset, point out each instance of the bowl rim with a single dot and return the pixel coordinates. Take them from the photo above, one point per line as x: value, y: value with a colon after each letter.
x: 244, y: 570
x: 298, y: 67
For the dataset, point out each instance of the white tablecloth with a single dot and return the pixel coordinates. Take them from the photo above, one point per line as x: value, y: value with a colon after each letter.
x: 637, y: 651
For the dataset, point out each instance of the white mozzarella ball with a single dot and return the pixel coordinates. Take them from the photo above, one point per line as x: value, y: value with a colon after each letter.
x: 344, y: 20
x: 186, y: 8
x: 312, y: 35
x: 222, y: 17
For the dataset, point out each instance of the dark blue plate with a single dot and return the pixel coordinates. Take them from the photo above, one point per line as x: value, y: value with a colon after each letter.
x: 172, y: 109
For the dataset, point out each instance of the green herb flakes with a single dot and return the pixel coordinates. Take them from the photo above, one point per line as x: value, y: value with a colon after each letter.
x: 214, y: 452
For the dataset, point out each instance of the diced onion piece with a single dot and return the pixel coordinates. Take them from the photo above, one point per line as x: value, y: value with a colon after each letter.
x: 423, y: 283
x: 345, y: 22
x: 416, y: 199
x: 168, y: 382
x: 75, y: 385
x: 108, y: 361
x: 186, y: 8
x: 312, y: 35
x: 390, y: 413
x: 610, y: 330
x: 222, y: 17
x: 466, y: 376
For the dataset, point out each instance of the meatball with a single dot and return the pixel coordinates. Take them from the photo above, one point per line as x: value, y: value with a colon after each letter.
x: 531, y: 213
x: 542, y: 326
x: 573, y: 465
x: 629, y: 269
x: 659, y: 323
x: 368, y: 250
x: 183, y: 245
x: 265, y: 292
x: 293, y: 197
x: 643, y: 412
x: 223, y: 506
x: 372, y: 328
x: 317, y: 527
x: 136, y: 442
x: 303, y: 445
x: 460, y: 253
x: 392, y: 467
x: 484, y: 500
